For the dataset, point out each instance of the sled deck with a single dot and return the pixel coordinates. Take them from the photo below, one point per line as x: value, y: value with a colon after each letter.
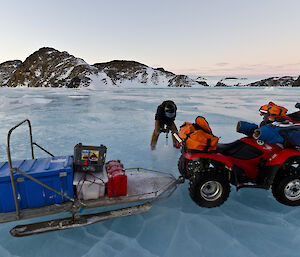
x: 32, y: 192
x: 143, y: 186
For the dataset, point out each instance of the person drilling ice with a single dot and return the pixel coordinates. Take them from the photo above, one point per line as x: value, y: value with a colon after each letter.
x: 164, y: 122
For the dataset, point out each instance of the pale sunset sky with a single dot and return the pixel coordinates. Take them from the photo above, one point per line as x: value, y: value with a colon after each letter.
x: 204, y: 37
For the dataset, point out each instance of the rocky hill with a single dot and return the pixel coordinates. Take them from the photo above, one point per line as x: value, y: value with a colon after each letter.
x: 286, y: 81
x: 49, y: 67
x: 297, y: 82
x: 6, y: 71
x: 131, y: 73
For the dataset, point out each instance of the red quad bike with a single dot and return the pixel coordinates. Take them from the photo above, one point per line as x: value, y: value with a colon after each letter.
x: 246, y: 162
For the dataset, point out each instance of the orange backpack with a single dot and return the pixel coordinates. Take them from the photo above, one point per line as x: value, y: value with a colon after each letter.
x: 198, y: 135
x: 273, y: 109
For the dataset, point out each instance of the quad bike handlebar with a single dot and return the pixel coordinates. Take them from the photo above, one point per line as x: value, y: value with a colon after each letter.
x: 180, y: 142
x: 178, y: 138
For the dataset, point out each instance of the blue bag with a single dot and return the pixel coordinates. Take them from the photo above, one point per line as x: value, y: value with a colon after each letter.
x: 270, y: 134
x: 246, y: 128
x: 292, y: 136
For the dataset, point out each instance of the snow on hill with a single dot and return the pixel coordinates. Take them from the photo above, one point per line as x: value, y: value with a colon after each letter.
x: 250, y: 81
x: 6, y: 70
x: 49, y: 67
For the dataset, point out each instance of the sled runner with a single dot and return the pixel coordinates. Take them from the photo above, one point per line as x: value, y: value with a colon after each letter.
x: 44, y: 186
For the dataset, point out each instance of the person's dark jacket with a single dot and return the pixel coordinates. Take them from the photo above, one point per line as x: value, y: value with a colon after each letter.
x: 161, y: 116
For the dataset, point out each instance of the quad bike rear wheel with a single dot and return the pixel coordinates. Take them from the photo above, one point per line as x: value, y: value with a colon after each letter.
x: 286, y: 187
x: 209, y: 189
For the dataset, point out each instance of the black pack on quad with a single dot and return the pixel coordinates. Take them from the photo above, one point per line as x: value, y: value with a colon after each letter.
x: 246, y: 162
x: 272, y: 112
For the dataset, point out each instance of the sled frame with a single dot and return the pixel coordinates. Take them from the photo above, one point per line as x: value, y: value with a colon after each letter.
x: 12, y: 169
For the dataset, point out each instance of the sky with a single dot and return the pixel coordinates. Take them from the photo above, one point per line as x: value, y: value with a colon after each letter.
x: 203, y: 37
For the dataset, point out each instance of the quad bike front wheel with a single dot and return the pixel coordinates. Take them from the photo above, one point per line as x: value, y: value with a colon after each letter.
x: 286, y: 187
x: 209, y: 189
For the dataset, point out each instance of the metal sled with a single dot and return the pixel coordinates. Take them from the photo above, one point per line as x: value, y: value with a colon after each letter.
x: 145, y: 187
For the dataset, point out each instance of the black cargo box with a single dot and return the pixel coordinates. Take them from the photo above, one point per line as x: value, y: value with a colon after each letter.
x: 89, y: 158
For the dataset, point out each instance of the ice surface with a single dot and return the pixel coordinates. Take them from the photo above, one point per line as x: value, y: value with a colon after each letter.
x: 250, y: 223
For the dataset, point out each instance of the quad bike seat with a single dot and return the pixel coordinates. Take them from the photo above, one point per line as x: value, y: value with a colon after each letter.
x: 295, y: 116
x: 239, y: 149
x: 225, y: 149
x: 229, y: 148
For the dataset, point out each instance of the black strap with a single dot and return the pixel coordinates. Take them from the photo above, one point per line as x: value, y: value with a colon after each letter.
x: 208, y: 145
x: 196, y: 126
x: 183, y: 125
x: 269, y: 110
x: 188, y: 136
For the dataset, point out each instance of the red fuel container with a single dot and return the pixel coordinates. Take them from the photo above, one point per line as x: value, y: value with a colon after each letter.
x: 117, y: 184
x: 113, y: 166
x: 117, y: 179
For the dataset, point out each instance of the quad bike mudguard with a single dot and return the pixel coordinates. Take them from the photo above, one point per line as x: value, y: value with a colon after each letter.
x: 267, y: 175
x: 216, y: 156
x: 282, y: 156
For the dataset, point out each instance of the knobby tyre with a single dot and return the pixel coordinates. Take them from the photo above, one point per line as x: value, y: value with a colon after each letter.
x: 286, y: 186
x: 209, y: 189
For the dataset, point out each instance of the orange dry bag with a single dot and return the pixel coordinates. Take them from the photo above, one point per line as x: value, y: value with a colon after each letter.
x: 198, y: 135
x: 273, y: 109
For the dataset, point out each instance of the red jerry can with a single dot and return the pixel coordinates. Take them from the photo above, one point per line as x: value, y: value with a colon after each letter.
x: 117, y: 184
x: 113, y: 166
x: 117, y: 179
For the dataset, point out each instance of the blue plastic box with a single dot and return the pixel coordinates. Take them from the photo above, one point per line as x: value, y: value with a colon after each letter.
x: 56, y: 172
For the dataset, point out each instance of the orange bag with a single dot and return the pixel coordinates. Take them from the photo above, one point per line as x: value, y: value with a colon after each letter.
x: 198, y: 135
x: 273, y: 109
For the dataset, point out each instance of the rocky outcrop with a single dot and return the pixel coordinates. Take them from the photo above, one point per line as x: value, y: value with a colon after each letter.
x: 221, y: 84
x: 297, y: 82
x: 201, y: 81
x: 181, y: 81
x: 167, y: 72
x: 286, y: 81
x: 7, y: 69
x: 123, y: 70
x: 120, y: 72
x: 48, y: 67
x: 230, y: 82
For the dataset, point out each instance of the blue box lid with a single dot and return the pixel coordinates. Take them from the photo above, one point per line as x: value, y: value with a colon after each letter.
x: 38, y: 167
